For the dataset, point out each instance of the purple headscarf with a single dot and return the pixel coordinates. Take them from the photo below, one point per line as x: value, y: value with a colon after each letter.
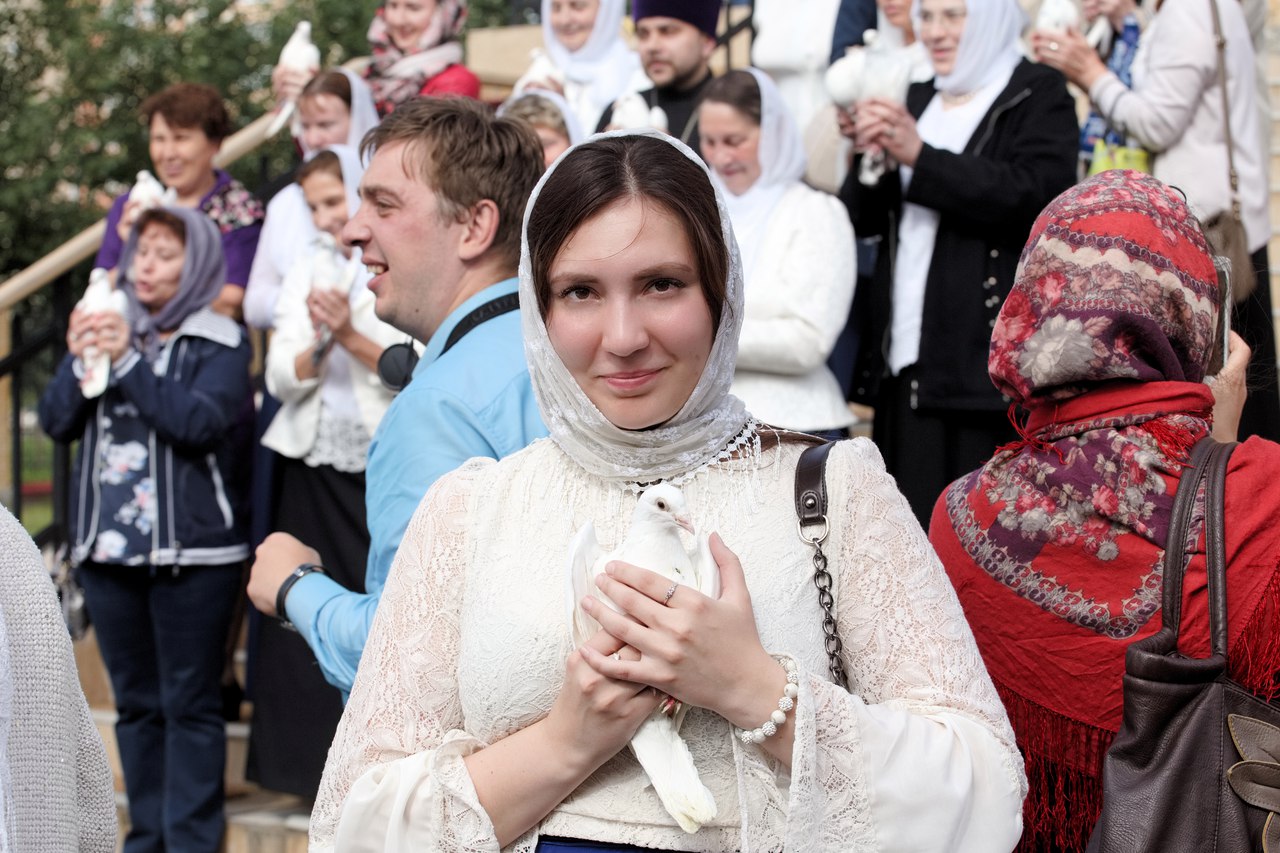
x: 204, y: 272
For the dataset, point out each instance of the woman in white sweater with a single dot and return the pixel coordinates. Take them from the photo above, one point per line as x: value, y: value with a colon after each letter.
x: 475, y: 724
x: 797, y: 255
x: 1174, y: 110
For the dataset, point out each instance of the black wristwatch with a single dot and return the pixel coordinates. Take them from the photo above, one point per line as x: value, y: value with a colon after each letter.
x: 283, y: 593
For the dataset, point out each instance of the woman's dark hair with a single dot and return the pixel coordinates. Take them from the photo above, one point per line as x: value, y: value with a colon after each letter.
x: 163, y: 218
x: 324, y: 161
x: 189, y: 105
x: 739, y: 90
x: 329, y: 83
x: 595, y: 175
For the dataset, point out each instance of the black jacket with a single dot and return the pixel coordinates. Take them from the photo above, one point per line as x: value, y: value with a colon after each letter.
x: 184, y: 414
x: 1022, y: 155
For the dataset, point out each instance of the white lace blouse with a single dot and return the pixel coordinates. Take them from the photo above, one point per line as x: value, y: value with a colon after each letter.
x: 470, y: 641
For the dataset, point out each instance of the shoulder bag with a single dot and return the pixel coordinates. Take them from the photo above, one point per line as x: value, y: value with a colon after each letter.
x: 1225, y: 230
x: 1196, y: 763
x: 811, y: 514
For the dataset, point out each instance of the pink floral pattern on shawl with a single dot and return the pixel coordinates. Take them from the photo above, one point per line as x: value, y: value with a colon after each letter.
x: 394, y: 75
x: 1103, y: 340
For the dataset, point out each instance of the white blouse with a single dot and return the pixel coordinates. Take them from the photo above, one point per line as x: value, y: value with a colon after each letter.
x: 470, y: 641
x: 797, y: 297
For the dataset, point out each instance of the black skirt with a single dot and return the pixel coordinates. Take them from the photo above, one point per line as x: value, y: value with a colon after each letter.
x: 295, y: 711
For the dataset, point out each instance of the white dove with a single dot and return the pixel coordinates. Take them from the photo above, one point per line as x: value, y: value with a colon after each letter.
x: 148, y: 192
x: 630, y: 112
x: 653, y: 543
x: 298, y: 54
x: 876, y: 69
x: 540, y: 72
x: 1058, y: 16
x: 330, y: 270
x: 98, y: 297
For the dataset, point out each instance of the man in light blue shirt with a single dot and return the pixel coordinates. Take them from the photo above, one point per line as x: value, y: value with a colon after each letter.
x: 443, y: 244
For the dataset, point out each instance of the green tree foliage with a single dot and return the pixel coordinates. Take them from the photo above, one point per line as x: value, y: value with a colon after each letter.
x: 74, y: 72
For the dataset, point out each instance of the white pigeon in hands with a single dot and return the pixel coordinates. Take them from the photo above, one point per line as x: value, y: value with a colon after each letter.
x: 148, y: 192
x: 298, y: 54
x: 98, y: 297
x: 653, y: 543
x: 632, y: 112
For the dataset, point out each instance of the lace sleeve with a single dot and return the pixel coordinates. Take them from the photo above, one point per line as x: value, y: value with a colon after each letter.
x: 919, y: 755
x: 395, y: 779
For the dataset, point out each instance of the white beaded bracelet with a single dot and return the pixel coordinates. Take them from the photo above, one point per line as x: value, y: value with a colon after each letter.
x: 769, y: 727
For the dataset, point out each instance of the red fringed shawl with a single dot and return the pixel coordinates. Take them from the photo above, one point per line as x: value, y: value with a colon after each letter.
x: 1056, y: 551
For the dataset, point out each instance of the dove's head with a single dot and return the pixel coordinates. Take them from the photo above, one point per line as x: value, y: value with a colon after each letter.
x: 665, y: 503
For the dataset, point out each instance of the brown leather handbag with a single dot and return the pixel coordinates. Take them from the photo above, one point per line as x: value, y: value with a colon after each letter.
x: 1196, y: 763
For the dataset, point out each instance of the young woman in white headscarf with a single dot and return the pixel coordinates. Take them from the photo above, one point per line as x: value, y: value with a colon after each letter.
x: 981, y: 149
x: 797, y: 255
x: 583, y: 40
x: 334, y: 108
x: 322, y: 366
x: 157, y: 534
x: 475, y: 724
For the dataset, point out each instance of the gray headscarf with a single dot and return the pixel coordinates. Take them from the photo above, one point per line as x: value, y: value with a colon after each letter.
x: 699, y: 433
x: 204, y: 272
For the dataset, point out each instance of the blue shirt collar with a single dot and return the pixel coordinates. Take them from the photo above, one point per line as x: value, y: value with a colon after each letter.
x: 436, y: 344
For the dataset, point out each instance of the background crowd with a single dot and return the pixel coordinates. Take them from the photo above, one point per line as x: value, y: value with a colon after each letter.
x: 871, y: 248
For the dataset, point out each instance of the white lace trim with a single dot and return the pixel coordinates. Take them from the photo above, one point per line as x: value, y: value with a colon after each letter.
x: 341, y: 443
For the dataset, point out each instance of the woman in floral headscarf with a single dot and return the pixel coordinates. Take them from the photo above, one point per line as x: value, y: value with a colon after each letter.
x: 416, y: 51
x: 1056, y: 545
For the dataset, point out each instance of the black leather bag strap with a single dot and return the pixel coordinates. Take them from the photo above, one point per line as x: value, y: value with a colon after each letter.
x: 811, y: 516
x: 1208, y: 463
x: 1215, y: 546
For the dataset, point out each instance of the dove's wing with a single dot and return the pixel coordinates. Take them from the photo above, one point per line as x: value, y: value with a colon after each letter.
x: 706, y: 569
x: 583, y: 556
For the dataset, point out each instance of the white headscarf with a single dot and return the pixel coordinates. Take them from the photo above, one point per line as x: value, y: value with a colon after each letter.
x: 605, y: 64
x: 352, y: 171
x: 364, y: 115
x: 989, y: 46
x: 571, y: 123
x: 782, y: 164
x: 709, y: 421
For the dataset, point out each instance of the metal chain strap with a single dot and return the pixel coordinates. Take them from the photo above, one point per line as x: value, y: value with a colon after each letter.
x: 822, y: 580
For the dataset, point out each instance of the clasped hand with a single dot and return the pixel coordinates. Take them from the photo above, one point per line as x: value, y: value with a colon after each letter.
x: 879, y: 124
x: 105, y: 330
x: 702, y: 651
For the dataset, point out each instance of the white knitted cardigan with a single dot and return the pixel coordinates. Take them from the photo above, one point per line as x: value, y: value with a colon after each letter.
x: 56, y: 793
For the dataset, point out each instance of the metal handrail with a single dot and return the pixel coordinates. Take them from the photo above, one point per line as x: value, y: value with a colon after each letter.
x: 25, y: 282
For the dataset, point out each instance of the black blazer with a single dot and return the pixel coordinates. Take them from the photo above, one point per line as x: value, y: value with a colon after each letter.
x: 1022, y: 155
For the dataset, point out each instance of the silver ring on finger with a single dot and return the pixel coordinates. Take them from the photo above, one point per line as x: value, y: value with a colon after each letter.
x: 1053, y: 45
x: 666, y: 599
x: 616, y: 656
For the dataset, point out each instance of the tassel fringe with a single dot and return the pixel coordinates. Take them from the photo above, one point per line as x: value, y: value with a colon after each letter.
x: 1063, y: 759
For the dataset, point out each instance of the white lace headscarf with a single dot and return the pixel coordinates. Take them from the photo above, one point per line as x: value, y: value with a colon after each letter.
x: 989, y: 46
x: 709, y: 421
x: 782, y: 164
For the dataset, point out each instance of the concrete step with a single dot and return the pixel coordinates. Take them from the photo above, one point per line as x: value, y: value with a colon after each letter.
x: 258, y: 821
x: 237, y: 753
x: 266, y: 823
